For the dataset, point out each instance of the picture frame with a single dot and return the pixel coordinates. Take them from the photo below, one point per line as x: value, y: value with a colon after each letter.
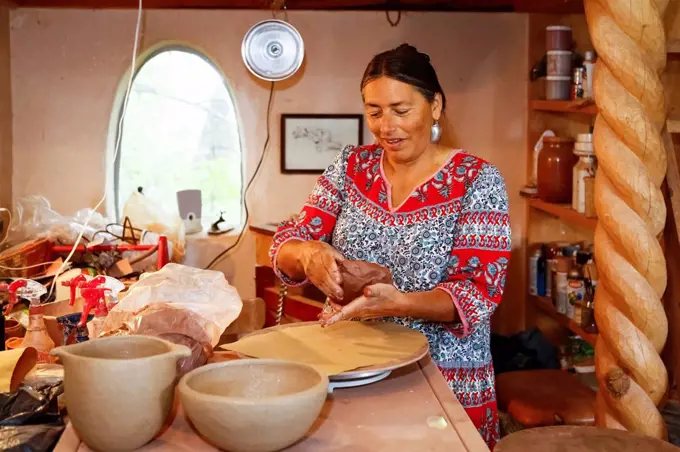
x: 310, y: 142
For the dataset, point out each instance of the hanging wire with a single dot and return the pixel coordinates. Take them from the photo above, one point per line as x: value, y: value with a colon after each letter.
x: 389, y: 19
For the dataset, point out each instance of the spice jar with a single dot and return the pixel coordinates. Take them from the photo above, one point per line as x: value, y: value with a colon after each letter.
x: 555, y: 170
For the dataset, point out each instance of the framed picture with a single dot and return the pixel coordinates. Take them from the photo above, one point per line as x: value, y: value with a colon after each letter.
x: 309, y: 142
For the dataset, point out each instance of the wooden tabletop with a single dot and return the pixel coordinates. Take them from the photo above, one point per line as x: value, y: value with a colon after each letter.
x: 412, y: 409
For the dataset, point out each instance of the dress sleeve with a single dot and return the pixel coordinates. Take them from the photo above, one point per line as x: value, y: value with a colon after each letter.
x: 481, y: 251
x: 316, y: 220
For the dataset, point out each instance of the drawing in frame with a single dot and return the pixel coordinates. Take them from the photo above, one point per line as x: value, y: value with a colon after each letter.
x: 310, y: 142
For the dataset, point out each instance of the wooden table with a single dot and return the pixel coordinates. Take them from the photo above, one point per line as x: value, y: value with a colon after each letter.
x: 411, y: 410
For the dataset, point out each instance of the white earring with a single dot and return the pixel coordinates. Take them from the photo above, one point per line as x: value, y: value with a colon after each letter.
x: 435, y: 132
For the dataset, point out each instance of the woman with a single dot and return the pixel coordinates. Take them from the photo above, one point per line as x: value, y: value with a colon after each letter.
x: 435, y: 216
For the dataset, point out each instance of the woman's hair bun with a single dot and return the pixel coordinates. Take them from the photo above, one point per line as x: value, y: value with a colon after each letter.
x: 406, y: 64
x: 409, y: 49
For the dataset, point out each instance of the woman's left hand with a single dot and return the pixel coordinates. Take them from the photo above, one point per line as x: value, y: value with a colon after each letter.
x: 378, y: 300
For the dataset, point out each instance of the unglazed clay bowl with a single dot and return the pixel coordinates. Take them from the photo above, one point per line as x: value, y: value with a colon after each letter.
x: 253, y: 405
x: 119, y: 390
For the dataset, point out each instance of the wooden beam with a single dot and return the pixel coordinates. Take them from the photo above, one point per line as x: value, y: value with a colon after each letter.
x: 407, y: 5
x: 524, y: 6
x: 549, y: 6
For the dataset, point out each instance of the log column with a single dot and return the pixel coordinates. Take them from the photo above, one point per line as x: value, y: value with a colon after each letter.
x: 630, y: 41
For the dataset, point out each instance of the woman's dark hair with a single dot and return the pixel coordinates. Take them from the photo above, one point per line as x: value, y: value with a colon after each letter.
x: 406, y: 64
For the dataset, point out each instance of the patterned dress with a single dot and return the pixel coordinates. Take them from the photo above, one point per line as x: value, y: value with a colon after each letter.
x: 451, y: 234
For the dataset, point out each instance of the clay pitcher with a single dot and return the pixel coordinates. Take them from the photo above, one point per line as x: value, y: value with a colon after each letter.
x: 119, y: 390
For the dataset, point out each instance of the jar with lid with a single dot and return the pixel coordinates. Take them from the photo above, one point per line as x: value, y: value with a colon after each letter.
x: 555, y: 170
x: 585, y: 167
x: 551, y: 252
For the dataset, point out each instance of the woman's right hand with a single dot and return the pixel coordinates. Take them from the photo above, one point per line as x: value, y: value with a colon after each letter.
x: 320, y: 263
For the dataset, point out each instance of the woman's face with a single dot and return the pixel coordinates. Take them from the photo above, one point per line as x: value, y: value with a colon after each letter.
x: 400, y: 117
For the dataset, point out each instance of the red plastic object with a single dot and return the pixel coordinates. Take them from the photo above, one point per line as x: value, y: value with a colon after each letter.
x: 16, y: 285
x: 95, y: 298
x: 73, y: 285
x: 162, y: 252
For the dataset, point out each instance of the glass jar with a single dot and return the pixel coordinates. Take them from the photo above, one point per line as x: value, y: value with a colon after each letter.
x: 555, y: 170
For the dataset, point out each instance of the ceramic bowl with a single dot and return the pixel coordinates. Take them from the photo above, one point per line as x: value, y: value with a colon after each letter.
x: 253, y: 405
x: 119, y: 390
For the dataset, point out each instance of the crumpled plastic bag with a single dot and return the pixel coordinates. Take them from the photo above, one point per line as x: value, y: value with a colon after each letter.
x: 29, y: 405
x: 29, y: 418
x: 33, y: 218
x: 205, y: 293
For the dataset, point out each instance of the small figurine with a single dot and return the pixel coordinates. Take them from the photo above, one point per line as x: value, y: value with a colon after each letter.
x: 215, y: 228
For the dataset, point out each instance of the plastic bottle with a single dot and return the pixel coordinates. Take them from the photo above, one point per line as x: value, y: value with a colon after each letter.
x: 589, y: 66
x: 36, y: 333
x: 533, y: 272
x: 562, y: 266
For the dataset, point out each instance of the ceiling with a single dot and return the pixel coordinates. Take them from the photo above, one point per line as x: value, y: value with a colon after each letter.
x: 531, y: 6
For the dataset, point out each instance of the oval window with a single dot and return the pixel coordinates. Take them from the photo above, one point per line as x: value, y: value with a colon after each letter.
x: 180, y: 132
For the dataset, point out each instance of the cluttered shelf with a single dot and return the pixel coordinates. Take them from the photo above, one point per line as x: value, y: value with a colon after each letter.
x: 565, y: 213
x: 586, y: 107
x: 544, y: 304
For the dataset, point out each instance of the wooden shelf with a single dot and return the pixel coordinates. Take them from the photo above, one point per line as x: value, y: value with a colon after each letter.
x: 544, y: 304
x: 565, y: 106
x: 565, y: 213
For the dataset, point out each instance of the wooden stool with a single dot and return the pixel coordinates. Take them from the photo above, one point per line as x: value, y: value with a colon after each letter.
x: 569, y: 438
x: 544, y: 397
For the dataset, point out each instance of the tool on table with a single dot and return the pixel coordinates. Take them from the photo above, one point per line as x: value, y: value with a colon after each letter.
x: 36, y: 333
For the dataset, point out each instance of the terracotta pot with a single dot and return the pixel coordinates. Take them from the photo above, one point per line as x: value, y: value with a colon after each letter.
x: 14, y: 342
x: 254, y: 405
x: 555, y: 170
x: 119, y: 390
x: 14, y: 329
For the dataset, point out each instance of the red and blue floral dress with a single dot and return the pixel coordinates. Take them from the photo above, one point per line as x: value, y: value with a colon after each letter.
x: 451, y: 234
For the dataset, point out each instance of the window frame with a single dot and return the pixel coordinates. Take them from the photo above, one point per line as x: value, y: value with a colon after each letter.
x: 114, y: 131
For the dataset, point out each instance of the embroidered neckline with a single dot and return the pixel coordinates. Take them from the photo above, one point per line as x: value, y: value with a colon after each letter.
x: 388, y: 185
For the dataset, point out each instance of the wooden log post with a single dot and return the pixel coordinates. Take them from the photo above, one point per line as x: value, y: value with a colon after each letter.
x: 630, y: 41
